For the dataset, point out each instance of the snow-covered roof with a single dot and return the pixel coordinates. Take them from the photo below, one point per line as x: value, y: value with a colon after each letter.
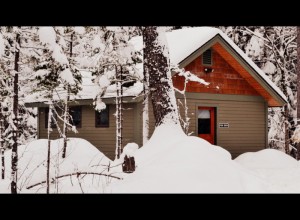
x: 191, y: 39
x: 89, y: 90
x: 182, y: 43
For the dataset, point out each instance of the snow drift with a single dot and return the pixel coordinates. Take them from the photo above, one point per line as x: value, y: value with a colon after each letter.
x: 172, y: 162
x: 81, y: 156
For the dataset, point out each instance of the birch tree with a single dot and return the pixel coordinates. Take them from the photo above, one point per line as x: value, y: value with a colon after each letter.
x: 113, y: 64
x: 58, y: 77
x: 68, y: 39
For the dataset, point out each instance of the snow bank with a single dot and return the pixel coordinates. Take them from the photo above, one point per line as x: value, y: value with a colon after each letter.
x: 172, y: 162
x: 81, y: 156
x: 275, y: 167
x: 267, y: 159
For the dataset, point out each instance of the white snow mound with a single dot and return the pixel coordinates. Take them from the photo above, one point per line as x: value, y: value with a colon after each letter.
x: 172, y: 162
x: 81, y: 156
x: 278, y: 169
x: 267, y: 158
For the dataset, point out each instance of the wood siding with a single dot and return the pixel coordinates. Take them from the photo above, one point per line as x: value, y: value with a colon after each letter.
x: 245, y: 74
x: 247, y: 122
x: 103, y: 138
x: 222, y: 80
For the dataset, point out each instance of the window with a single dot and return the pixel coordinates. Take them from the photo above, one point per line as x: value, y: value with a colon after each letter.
x: 53, y: 124
x: 204, y: 122
x: 75, y: 116
x: 102, y: 118
x: 207, y: 57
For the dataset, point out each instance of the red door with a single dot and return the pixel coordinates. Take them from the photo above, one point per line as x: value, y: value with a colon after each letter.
x: 206, y: 123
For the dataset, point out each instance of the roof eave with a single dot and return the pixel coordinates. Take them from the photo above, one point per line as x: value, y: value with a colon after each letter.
x: 107, y: 100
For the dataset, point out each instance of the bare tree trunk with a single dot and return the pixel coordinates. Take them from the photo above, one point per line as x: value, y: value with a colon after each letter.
x: 286, y: 129
x: 146, y: 107
x: 186, y: 120
x: 1, y: 144
x: 49, y: 147
x: 298, y: 86
x: 160, y: 84
x: 2, y: 164
x: 119, y: 100
x: 66, y: 118
x: 285, y: 115
x: 67, y: 108
x: 14, y: 155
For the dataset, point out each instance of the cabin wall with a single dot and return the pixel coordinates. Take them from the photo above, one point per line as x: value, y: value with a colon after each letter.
x: 103, y: 138
x: 246, y: 115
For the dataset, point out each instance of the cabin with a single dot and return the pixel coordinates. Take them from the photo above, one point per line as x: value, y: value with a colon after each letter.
x: 231, y: 111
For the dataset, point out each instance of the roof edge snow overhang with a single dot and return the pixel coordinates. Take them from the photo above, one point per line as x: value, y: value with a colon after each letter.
x: 280, y: 101
x: 109, y: 100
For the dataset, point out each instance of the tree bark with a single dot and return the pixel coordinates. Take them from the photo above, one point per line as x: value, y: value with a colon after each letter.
x: 156, y: 61
x: 285, y: 114
x: 1, y: 144
x: 119, y: 115
x: 298, y: 86
x: 65, y: 132
x: 286, y: 129
x: 14, y: 155
x: 146, y: 107
x: 49, y: 148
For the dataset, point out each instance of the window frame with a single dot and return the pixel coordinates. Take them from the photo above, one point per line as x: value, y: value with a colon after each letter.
x: 96, y: 113
x: 71, y: 121
x: 52, y: 125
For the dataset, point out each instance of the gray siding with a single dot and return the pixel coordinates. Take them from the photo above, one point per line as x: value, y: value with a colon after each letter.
x: 246, y: 117
x: 102, y: 138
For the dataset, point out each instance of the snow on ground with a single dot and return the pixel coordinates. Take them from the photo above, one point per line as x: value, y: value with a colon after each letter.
x: 277, y: 168
x: 81, y: 156
x: 172, y: 162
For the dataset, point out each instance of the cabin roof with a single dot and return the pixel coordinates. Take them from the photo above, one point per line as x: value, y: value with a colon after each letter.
x: 184, y: 46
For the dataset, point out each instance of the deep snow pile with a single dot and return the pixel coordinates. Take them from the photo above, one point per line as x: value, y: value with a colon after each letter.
x: 172, y: 162
x: 81, y: 156
x: 275, y: 167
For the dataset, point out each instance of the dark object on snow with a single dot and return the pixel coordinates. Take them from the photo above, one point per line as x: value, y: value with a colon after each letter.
x: 128, y: 165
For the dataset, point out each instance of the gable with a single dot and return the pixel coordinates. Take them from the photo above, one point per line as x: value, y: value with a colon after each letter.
x: 242, y: 64
x: 222, y: 80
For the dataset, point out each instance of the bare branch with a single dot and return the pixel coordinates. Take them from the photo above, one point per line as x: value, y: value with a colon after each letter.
x: 74, y: 174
